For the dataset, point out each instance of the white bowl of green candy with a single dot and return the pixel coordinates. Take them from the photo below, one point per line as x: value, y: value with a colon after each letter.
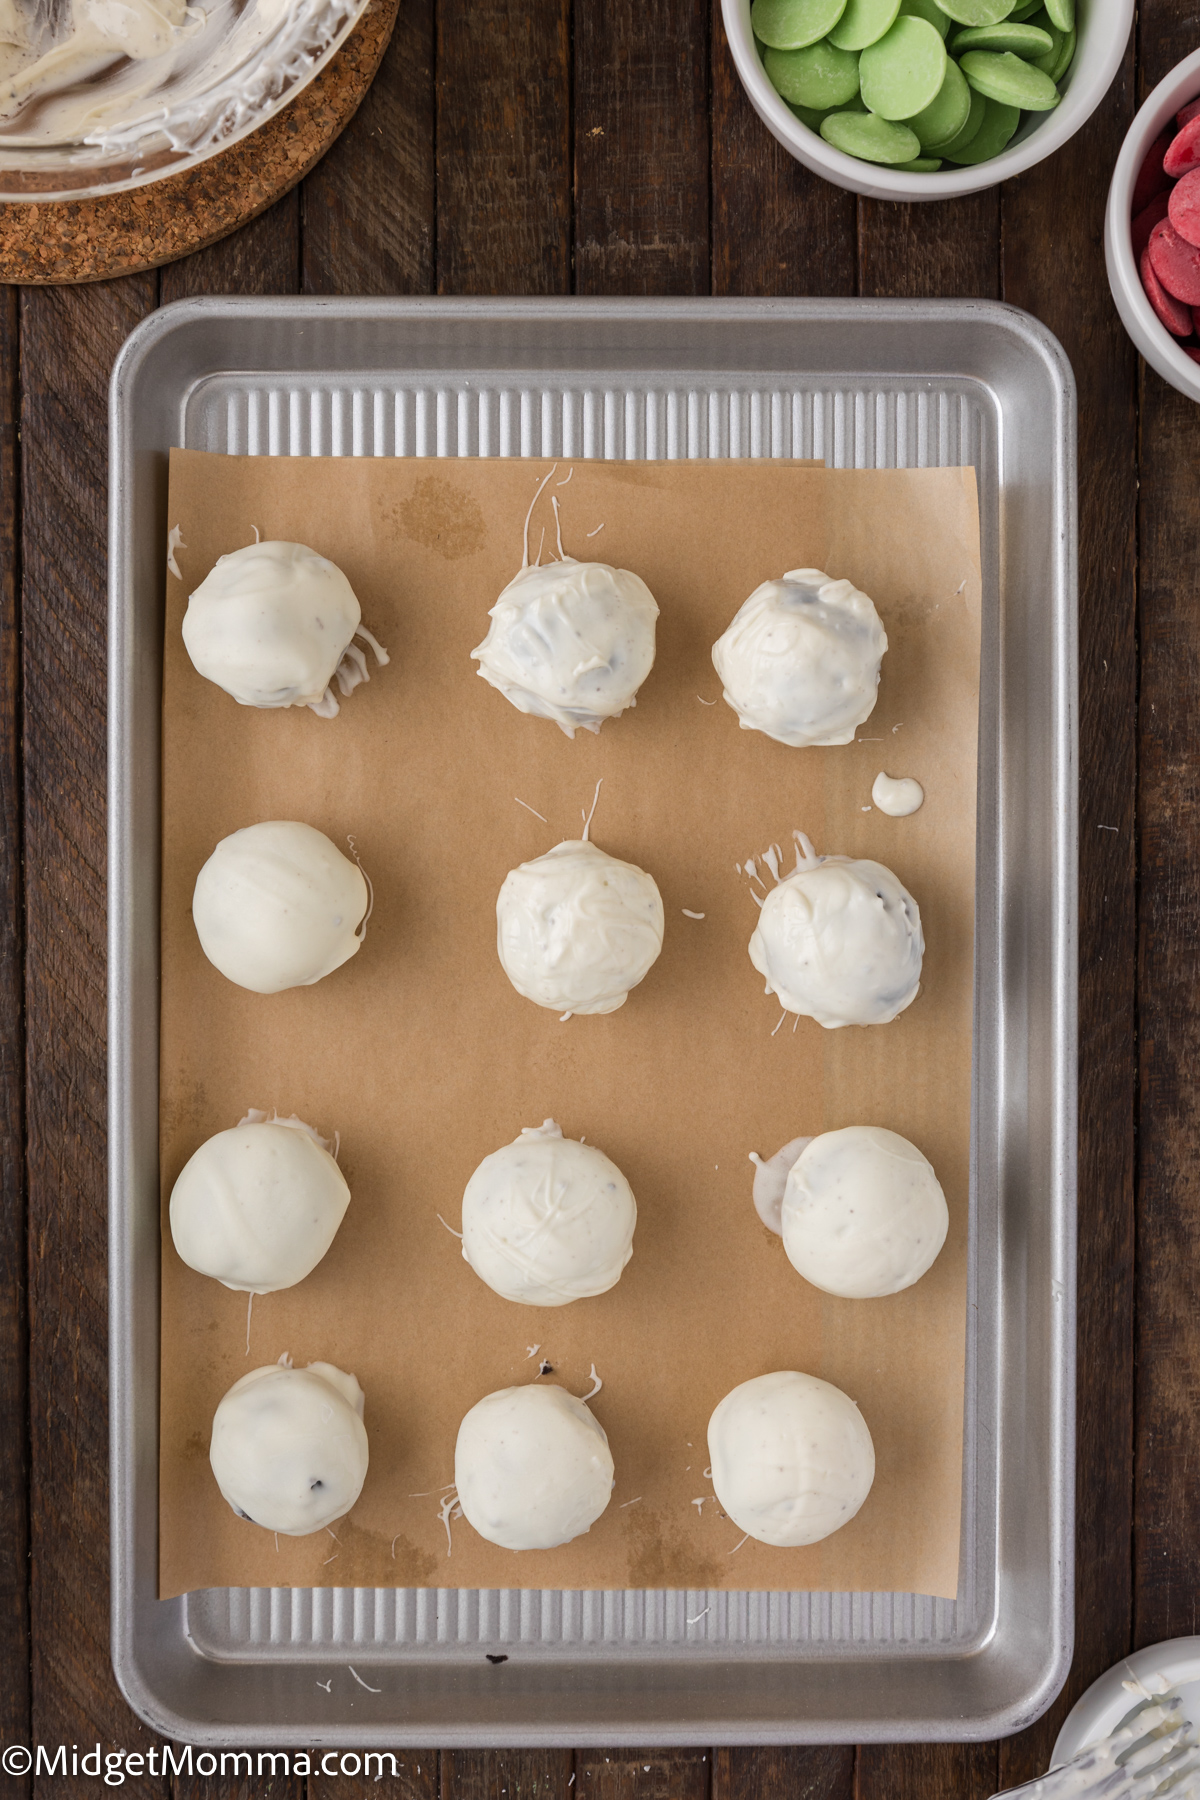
x: 922, y: 99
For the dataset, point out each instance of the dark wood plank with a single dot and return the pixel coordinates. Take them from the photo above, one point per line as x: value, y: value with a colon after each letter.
x: 642, y: 1774
x: 926, y: 1772
x: 236, y: 1784
x: 1054, y: 267
x: 69, y: 339
x: 944, y: 248
x: 641, y: 147
x: 415, y: 1778
x: 503, y: 147
x: 776, y: 227
x: 14, y: 1367
x: 1166, y: 1555
x: 369, y: 207
x: 795, y: 1772
x: 507, y: 1775
x: 262, y: 258
x: 1166, y: 1562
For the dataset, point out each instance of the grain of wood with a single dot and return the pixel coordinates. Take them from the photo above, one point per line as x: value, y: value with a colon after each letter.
x: 262, y: 258
x: 507, y: 1775
x: 370, y: 206
x: 926, y: 1772
x: 69, y: 339
x: 503, y: 147
x: 933, y: 249
x: 415, y: 1778
x: 642, y: 1775
x: 1166, y: 1566
x: 776, y: 227
x: 641, y: 147
x: 236, y: 1784
x: 1054, y: 267
x: 785, y: 1772
x: 14, y: 1363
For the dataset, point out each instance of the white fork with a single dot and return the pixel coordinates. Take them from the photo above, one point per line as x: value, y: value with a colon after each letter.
x: 1152, y: 1752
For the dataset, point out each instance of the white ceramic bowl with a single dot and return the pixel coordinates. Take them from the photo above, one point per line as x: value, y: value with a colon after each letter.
x: 1137, y: 315
x: 1101, y: 1709
x: 1103, y: 26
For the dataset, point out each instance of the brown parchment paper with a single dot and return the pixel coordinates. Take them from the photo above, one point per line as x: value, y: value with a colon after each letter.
x: 424, y: 1058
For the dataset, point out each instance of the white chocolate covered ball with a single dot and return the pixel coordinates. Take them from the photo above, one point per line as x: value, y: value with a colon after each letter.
x: 801, y: 659
x: 840, y: 941
x: 278, y: 906
x: 792, y: 1459
x: 258, y: 1206
x: 863, y: 1213
x: 289, y: 1448
x: 532, y: 1468
x: 577, y: 928
x: 570, y: 641
x: 547, y: 1220
x: 270, y: 623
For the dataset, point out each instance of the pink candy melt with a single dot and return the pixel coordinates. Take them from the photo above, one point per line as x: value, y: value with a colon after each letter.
x: 1183, y: 152
x: 1176, y: 318
x: 1190, y: 111
x: 1175, y: 262
x: 1152, y: 178
x: 1183, y: 207
x: 1145, y: 222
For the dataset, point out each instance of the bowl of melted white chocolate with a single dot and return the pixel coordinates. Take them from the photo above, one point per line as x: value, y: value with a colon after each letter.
x: 97, y: 96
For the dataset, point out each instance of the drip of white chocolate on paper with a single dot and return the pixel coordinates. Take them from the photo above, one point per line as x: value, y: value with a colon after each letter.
x: 899, y: 796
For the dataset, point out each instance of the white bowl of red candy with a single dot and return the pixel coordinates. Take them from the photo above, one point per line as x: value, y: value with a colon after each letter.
x: 1152, y: 229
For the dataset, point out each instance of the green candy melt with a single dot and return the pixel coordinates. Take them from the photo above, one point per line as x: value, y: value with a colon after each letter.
x: 1008, y: 80
x: 794, y: 24
x: 976, y: 12
x: 1062, y: 13
x: 812, y: 115
x: 930, y: 11
x: 968, y: 133
x: 1026, y: 41
x: 920, y: 165
x: 820, y: 76
x: 999, y: 123
x: 1066, y: 53
x: 870, y: 138
x: 945, y: 115
x: 902, y: 73
x: 863, y: 23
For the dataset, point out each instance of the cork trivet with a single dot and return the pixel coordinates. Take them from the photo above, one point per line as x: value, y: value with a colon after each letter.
x: 59, y: 241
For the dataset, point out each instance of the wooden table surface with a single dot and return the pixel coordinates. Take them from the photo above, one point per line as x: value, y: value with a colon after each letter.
x: 605, y: 147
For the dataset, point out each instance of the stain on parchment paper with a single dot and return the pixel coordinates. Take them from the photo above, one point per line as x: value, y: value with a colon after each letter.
x: 654, y: 1563
x: 444, y: 518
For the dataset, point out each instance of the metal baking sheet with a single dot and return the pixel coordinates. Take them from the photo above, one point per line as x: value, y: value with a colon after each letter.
x: 861, y: 384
